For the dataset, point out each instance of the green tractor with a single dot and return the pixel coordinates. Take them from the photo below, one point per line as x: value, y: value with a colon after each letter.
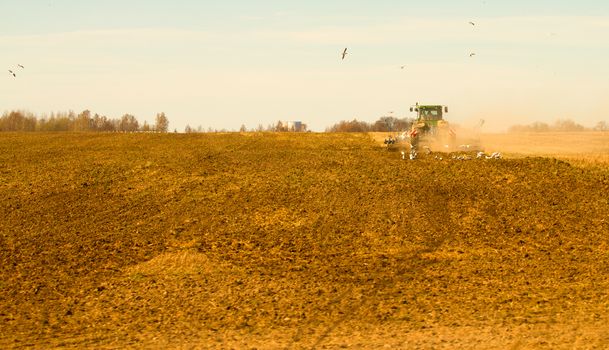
x: 430, y: 128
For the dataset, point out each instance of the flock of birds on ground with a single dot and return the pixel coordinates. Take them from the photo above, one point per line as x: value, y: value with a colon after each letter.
x: 479, y: 155
x: 472, y: 54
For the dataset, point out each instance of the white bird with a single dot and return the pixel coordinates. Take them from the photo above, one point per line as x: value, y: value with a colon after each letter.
x: 495, y: 155
x: 344, y: 53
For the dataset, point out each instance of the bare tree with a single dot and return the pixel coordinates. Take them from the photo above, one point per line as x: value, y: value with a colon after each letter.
x: 349, y: 126
x: 601, y: 126
x: 280, y: 126
x: 83, y: 121
x: 162, y: 123
x: 568, y: 125
x: 128, y: 123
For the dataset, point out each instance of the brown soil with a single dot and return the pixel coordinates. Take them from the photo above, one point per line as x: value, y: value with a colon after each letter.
x: 295, y: 241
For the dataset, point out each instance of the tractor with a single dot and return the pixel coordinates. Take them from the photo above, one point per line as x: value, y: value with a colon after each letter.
x: 430, y: 129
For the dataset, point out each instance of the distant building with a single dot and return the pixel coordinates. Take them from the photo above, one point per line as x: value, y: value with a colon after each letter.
x: 297, y: 126
x: 293, y: 126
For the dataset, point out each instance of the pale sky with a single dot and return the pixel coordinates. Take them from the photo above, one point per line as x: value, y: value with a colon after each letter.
x: 222, y: 64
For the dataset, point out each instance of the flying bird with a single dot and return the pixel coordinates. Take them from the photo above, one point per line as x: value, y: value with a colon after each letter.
x: 13, y: 73
x: 21, y: 66
x: 472, y: 23
x: 344, y: 53
x: 402, y: 67
x: 472, y: 54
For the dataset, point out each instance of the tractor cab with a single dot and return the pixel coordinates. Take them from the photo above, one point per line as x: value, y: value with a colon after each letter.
x: 429, y: 118
x: 430, y: 113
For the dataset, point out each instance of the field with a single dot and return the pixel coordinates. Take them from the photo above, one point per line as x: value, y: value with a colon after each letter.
x: 298, y: 241
x: 580, y: 148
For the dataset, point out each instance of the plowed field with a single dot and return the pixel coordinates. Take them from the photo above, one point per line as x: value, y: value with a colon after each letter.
x: 295, y: 241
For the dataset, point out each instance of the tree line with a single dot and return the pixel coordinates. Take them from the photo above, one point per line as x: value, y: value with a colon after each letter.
x: 83, y: 121
x: 87, y: 121
x: 280, y: 126
x: 391, y: 124
x: 383, y: 124
x: 559, y: 125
